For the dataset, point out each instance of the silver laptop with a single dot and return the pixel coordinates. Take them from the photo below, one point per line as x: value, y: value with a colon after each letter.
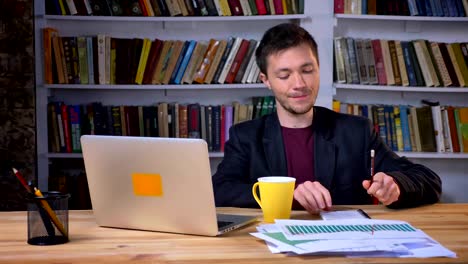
x: 157, y: 184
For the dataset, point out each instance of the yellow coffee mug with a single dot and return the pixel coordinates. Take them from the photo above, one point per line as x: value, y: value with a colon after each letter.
x: 276, y: 194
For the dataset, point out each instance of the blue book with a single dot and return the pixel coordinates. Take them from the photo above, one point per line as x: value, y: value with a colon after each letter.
x: 390, y: 124
x: 460, y: 8
x: 450, y: 7
x: 413, y: 8
x: 440, y: 8
x: 365, y: 111
x: 408, y: 63
x: 381, y: 124
x: 428, y: 7
x: 185, y: 61
x: 435, y: 8
x: 405, y: 128
x: 364, y: 7
x: 421, y: 7
x: 179, y: 61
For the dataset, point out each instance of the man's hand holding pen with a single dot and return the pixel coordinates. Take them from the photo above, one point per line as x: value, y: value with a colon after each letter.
x: 383, y: 187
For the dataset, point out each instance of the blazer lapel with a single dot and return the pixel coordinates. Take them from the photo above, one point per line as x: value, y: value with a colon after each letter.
x: 324, y: 151
x: 273, y: 146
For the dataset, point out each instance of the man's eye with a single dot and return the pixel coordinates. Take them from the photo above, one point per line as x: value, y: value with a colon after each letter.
x: 308, y: 70
x: 283, y: 77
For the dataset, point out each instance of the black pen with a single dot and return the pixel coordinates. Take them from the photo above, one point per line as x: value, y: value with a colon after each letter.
x: 363, y: 213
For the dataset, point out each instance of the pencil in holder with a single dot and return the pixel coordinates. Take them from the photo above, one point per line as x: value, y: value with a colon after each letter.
x: 48, y: 219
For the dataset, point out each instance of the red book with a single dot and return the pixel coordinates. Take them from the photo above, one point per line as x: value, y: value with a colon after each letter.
x: 143, y: 7
x: 154, y: 54
x: 453, y: 129
x: 222, y: 128
x: 379, y: 63
x: 339, y: 6
x: 236, y: 8
x: 236, y: 63
x: 278, y: 7
x: 66, y: 127
x: 261, y: 8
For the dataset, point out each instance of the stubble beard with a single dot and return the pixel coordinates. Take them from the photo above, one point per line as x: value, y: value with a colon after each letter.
x: 299, y: 110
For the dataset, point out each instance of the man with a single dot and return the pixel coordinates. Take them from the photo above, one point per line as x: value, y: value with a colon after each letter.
x: 327, y: 152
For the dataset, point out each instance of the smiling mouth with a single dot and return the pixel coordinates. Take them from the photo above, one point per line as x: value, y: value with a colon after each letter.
x: 299, y: 96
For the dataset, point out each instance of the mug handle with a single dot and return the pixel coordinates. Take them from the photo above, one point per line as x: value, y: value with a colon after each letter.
x: 254, y: 193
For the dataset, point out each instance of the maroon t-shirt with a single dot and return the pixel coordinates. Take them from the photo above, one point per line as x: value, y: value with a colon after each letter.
x: 299, y: 150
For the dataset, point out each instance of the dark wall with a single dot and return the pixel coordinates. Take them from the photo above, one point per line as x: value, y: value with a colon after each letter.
x: 17, y: 100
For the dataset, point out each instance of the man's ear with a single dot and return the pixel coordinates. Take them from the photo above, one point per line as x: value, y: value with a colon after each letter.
x: 264, y: 79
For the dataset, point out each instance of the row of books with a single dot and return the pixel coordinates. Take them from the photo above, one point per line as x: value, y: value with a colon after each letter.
x: 105, y: 60
x: 403, y: 63
x: 71, y: 181
x: 66, y: 123
x: 174, y: 7
x: 437, y: 8
x: 428, y: 128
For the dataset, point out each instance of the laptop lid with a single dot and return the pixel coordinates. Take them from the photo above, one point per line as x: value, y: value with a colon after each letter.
x: 157, y: 184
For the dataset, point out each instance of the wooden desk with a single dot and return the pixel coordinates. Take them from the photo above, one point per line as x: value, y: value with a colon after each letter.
x: 447, y: 223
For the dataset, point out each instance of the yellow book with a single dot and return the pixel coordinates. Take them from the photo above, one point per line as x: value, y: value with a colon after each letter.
x: 113, y: 56
x: 463, y: 126
x: 387, y: 62
x: 285, y: 7
x: 62, y: 8
x: 183, y: 8
x: 194, y: 62
x: 401, y: 63
x: 143, y: 59
x: 455, y: 64
x: 215, y: 63
x: 336, y: 106
x: 439, y: 60
x: 424, y: 62
x: 461, y: 62
x: 176, y: 53
x: 149, y: 7
x: 272, y: 7
x: 225, y: 7
x: 202, y: 71
x: 165, y: 63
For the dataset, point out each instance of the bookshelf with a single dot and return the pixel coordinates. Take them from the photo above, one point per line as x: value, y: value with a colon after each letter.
x: 317, y: 20
x: 450, y: 166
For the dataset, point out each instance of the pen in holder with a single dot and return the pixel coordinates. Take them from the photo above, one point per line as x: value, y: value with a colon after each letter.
x: 50, y: 210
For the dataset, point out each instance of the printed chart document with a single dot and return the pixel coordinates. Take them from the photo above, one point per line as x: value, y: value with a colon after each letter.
x: 350, y: 237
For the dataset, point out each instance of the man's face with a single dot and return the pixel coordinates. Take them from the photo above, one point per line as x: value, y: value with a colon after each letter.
x: 294, y: 77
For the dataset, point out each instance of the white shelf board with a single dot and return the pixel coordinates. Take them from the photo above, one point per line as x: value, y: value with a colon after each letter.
x: 403, y: 18
x: 434, y: 155
x: 401, y: 88
x: 175, y: 19
x: 155, y: 87
x: 419, y: 155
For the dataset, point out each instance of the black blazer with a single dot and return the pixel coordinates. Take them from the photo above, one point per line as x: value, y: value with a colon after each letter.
x: 342, y: 145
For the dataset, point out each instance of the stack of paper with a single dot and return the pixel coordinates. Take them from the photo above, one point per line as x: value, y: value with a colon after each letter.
x: 353, y: 238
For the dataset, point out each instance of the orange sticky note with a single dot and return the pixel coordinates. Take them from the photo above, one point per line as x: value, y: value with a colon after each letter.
x: 147, y: 184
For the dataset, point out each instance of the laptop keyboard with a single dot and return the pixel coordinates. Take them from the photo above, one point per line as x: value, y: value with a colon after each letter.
x: 222, y: 224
